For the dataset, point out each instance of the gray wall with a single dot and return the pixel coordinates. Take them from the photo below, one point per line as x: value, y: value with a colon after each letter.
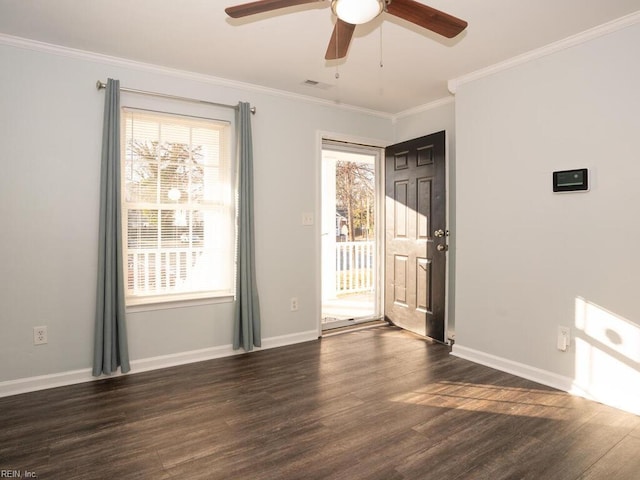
x: 50, y: 136
x: 530, y: 260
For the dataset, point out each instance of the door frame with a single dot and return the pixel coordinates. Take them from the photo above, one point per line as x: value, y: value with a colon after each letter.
x: 321, y: 137
x: 450, y: 219
x: 378, y: 154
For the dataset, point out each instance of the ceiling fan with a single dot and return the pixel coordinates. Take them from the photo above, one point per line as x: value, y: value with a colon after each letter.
x: 350, y: 13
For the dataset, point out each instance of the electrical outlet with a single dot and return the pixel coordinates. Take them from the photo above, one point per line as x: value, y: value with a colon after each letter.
x: 40, y: 335
x: 564, y: 338
x: 294, y: 304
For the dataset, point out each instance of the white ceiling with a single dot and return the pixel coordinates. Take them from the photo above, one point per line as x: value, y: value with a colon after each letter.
x: 283, y: 49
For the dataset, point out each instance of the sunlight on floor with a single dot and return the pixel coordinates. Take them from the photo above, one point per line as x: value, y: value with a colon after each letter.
x: 491, y: 399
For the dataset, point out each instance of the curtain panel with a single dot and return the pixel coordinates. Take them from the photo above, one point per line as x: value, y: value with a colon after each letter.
x: 110, y: 347
x: 246, y: 327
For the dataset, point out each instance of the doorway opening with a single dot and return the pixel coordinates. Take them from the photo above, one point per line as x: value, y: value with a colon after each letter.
x: 351, y: 223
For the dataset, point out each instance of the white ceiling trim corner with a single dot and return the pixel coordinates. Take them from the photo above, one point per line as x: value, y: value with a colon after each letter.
x: 423, y: 108
x: 580, y: 38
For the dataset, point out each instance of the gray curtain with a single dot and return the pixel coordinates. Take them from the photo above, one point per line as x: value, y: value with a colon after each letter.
x: 110, y: 349
x: 246, y: 327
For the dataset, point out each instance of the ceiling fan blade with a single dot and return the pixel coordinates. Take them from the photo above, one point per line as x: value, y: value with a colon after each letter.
x: 340, y: 40
x: 427, y: 17
x: 262, y: 6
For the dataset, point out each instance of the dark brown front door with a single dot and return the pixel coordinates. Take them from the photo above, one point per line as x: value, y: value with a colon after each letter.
x: 415, y: 235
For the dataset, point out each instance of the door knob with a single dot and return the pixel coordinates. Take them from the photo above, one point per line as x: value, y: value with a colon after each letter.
x: 442, y: 247
x: 439, y: 233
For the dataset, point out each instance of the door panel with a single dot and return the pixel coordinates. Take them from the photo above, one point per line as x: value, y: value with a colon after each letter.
x: 400, y: 279
x: 424, y: 207
x: 424, y: 285
x: 401, y: 214
x: 415, y: 209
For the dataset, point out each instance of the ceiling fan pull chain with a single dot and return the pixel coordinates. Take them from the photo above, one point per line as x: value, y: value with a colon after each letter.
x: 381, y: 63
x: 337, y: 44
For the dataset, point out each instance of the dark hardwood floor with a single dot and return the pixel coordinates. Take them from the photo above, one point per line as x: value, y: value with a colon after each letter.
x: 370, y: 404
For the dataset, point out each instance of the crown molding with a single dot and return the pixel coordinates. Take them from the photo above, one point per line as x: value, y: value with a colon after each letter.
x: 424, y: 108
x: 552, y: 48
x: 59, y: 50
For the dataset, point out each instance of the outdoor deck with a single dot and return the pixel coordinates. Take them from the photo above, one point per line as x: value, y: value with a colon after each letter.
x: 347, y: 306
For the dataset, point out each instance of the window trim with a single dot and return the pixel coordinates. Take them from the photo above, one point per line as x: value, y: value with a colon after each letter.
x: 179, y: 303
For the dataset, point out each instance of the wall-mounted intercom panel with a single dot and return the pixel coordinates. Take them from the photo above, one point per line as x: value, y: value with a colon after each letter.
x: 571, y: 180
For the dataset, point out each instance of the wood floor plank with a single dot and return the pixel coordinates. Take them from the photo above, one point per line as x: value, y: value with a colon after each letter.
x: 370, y: 404
x: 622, y: 462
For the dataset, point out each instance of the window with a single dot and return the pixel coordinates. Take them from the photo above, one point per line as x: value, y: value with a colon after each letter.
x: 178, y: 207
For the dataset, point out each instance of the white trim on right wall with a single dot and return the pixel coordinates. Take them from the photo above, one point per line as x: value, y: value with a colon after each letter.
x: 544, y: 377
x: 529, y: 261
x: 604, y: 29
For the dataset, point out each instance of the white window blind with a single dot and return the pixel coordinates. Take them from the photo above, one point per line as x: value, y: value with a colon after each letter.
x: 178, y: 207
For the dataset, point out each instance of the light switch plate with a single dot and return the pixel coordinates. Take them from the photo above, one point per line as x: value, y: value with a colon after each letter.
x: 307, y: 219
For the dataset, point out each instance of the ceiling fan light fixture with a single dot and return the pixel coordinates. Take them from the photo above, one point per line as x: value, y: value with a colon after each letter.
x: 356, y: 12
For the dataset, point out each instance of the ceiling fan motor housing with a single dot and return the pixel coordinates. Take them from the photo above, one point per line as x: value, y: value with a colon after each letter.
x: 357, y: 12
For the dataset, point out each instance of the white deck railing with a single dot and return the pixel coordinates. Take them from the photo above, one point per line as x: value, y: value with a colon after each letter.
x: 355, y: 267
x: 156, y: 270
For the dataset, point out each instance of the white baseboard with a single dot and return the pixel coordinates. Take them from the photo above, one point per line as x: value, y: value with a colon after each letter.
x: 550, y: 379
x: 42, y: 382
x: 519, y: 369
